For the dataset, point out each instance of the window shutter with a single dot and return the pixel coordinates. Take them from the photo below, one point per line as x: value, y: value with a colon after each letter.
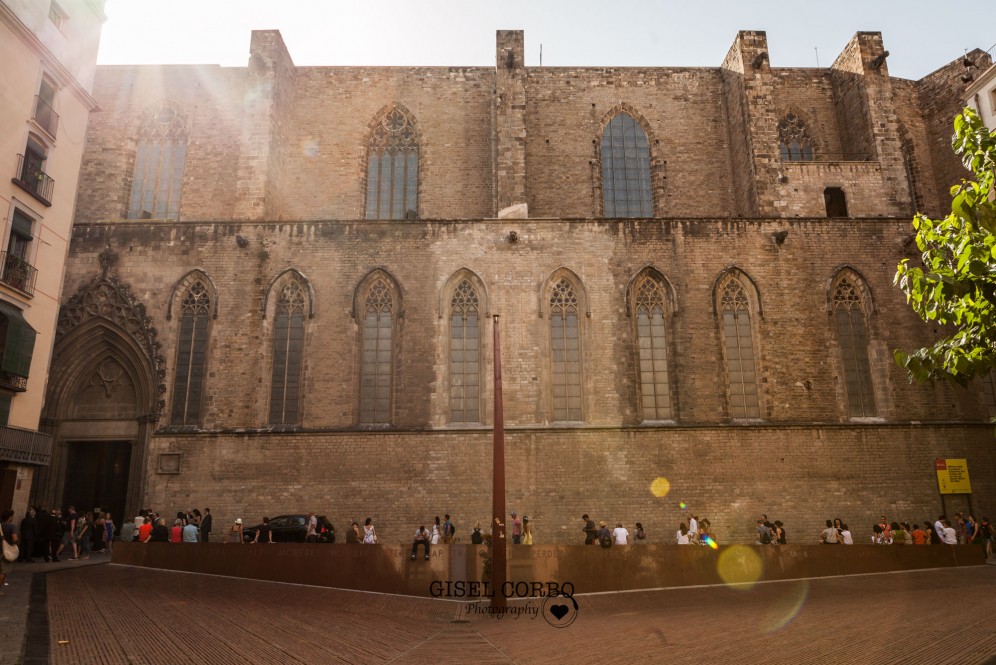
x: 20, y: 343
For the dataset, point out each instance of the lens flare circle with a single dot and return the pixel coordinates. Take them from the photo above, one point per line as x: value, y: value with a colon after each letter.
x: 660, y: 487
x: 683, y: 505
x: 710, y: 542
x: 740, y: 567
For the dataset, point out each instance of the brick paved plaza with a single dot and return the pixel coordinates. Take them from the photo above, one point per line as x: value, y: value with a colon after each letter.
x: 115, y: 614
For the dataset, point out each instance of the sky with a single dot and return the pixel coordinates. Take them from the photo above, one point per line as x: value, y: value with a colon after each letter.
x: 921, y: 35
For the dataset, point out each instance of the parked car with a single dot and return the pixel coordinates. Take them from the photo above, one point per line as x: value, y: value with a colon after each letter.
x: 292, y: 529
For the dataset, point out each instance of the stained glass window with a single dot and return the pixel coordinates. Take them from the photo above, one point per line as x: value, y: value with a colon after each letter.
x: 651, y: 340
x: 465, y: 355
x: 159, y: 162
x: 852, y: 336
x: 191, y: 356
x: 288, y: 353
x: 794, y: 141
x: 626, y: 169
x: 565, y: 352
x: 738, y: 343
x: 375, y: 368
x: 392, y: 168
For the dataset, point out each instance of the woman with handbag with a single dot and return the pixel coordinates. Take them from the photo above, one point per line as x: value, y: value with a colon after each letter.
x: 8, y: 538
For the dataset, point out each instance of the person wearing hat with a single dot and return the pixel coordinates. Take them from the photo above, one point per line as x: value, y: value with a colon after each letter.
x: 516, y: 529
x: 235, y: 533
x: 604, y: 535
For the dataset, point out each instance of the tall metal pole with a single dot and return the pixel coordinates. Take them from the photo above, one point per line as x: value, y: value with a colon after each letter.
x: 498, y: 552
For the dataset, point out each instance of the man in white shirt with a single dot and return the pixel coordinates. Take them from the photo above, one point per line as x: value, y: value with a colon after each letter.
x: 950, y: 536
x: 939, y: 527
x: 620, y: 535
x: 693, y: 529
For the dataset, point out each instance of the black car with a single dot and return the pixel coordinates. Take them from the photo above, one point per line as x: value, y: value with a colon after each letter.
x: 292, y: 529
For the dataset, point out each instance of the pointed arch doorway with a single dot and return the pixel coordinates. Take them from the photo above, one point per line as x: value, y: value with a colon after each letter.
x: 104, y: 397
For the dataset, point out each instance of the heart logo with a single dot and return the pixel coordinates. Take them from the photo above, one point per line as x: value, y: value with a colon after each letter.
x: 559, y: 611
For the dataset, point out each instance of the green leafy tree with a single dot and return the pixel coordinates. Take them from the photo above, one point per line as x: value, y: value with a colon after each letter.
x: 956, y: 285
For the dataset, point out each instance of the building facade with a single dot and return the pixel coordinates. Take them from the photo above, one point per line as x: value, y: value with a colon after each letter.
x: 49, y: 51
x: 283, y: 281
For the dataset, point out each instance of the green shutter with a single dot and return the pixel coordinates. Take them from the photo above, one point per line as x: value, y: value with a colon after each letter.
x: 20, y: 342
x: 21, y: 225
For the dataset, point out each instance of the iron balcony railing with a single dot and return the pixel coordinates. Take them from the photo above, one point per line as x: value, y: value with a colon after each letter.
x: 13, y: 382
x: 45, y: 115
x: 17, y: 273
x: 34, y: 180
x: 25, y: 446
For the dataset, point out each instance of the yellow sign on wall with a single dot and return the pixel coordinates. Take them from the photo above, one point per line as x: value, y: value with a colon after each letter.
x: 952, y: 476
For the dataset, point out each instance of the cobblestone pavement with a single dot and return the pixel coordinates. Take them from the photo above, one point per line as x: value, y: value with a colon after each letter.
x: 115, y: 614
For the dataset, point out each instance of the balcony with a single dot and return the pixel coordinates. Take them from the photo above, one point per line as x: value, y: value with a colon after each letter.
x: 32, y: 179
x: 17, y: 384
x: 25, y: 446
x: 17, y: 273
x: 45, y: 116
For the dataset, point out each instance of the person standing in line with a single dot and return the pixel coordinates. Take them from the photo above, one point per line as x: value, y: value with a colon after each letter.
x: 27, y: 535
x: 97, y: 533
x: 604, y: 535
x: 476, y: 537
x: 437, y: 532
x: 986, y: 535
x: 950, y: 536
x: 353, y: 534
x: 516, y: 529
x: 421, y: 538
x: 693, y: 529
x: 83, y: 536
x: 779, y: 535
x: 970, y: 529
x: 620, y: 534
x: 69, y: 538
x: 11, y: 537
x: 235, y: 532
x: 191, y: 534
x: 264, y: 534
x: 527, y: 531
x: 175, y: 532
x: 845, y: 535
x: 206, y: 526
x: 919, y: 535
x: 590, y: 532
x: 370, y: 533
x: 108, y: 533
x: 763, y: 532
x: 641, y: 535
x: 682, y: 535
x: 56, y: 527
x: 447, y: 529
x: 311, y: 535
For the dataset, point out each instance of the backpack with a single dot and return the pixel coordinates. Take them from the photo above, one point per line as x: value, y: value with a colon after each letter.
x: 605, y: 541
x: 765, y: 537
x: 640, y: 534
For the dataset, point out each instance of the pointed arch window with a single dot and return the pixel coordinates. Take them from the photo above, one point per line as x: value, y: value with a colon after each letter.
x: 465, y: 354
x: 565, y: 352
x: 392, y: 168
x: 625, y: 155
x: 159, y: 162
x: 651, y: 341
x: 738, y: 347
x: 191, y: 356
x: 852, y: 336
x: 794, y: 141
x: 288, y: 354
x: 376, y: 376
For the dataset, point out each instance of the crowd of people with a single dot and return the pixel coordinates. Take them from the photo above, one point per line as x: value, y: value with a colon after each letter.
x: 51, y: 535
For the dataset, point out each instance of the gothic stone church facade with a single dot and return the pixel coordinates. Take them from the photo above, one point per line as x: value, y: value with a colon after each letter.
x: 282, y: 281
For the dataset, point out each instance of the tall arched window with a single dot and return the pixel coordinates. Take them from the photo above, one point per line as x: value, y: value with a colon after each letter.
x: 565, y: 352
x: 288, y: 354
x: 625, y: 155
x: 651, y: 342
x: 392, y: 167
x: 848, y: 306
x: 465, y: 354
x: 738, y: 348
x: 376, y: 377
x: 794, y: 141
x: 191, y: 356
x: 159, y: 161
